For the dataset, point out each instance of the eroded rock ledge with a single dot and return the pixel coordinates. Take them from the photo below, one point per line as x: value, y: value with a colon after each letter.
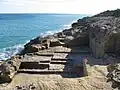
x: 99, y: 35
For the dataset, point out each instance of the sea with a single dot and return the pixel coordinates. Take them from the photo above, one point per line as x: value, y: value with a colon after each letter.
x: 18, y: 29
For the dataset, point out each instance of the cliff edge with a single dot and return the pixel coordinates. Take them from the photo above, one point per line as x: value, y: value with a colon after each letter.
x: 79, y: 55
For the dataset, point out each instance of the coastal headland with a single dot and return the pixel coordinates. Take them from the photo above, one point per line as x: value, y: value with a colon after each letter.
x: 83, y: 57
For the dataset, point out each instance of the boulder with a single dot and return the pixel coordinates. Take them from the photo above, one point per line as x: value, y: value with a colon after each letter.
x: 15, y: 61
x: 7, y: 71
x: 59, y: 35
x: 36, y: 40
x: 33, y: 48
x: 68, y: 32
x: 114, y: 75
x: 9, y: 68
x: 74, y: 25
x: 81, y: 39
x: 55, y: 42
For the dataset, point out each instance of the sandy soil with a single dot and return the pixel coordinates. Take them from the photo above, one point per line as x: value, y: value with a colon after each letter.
x: 96, y: 81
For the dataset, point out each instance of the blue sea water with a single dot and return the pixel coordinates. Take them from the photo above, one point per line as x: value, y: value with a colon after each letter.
x: 17, y: 29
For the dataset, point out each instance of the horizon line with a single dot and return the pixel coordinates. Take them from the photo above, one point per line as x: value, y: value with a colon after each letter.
x: 42, y: 13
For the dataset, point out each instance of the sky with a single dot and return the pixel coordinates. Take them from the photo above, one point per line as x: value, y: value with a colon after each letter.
x: 58, y: 6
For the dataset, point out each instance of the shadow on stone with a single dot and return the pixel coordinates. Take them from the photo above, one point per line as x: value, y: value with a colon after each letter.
x: 74, y: 67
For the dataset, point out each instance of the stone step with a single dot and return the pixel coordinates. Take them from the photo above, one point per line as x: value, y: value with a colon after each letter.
x: 34, y: 65
x: 59, y: 48
x: 44, y: 62
x: 60, y: 59
x: 57, y: 67
x: 80, y: 50
x: 43, y: 54
x: 60, y: 55
x: 35, y: 71
x: 39, y: 63
x: 36, y: 58
x: 58, y: 62
x: 74, y: 52
x: 62, y: 51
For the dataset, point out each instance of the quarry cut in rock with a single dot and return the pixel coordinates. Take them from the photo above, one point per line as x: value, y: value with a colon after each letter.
x: 63, y: 53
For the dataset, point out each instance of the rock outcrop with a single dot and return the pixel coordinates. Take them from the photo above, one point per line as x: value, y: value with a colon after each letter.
x: 114, y: 75
x: 9, y: 68
x: 99, y: 35
x: 104, y: 36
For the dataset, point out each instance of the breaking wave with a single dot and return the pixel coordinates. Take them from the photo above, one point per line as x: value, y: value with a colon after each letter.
x: 6, y: 53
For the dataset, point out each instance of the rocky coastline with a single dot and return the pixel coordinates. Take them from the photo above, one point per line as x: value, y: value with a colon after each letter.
x: 91, y: 46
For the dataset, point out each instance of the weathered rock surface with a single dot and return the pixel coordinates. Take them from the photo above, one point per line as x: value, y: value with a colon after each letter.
x: 100, y: 33
x: 114, y: 75
x: 64, y: 51
x: 7, y: 72
x: 9, y: 68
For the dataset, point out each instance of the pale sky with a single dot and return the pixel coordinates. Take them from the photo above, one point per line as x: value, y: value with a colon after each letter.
x: 58, y: 6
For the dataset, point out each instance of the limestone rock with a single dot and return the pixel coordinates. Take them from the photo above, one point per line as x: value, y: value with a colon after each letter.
x: 9, y: 68
x: 75, y: 24
x: 7, y: 72
x: 68, y: 32
x: 104, y: 36
x: 114, y: 75
x: 55, y: 42
x: 15, y: 61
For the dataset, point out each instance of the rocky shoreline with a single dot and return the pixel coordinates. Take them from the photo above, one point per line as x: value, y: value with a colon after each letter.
x: 72, y: 53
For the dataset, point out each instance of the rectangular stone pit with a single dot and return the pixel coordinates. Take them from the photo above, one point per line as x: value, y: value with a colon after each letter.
x: 34, y: 65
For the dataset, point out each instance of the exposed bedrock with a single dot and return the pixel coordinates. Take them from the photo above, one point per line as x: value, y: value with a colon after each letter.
x: 114, y: 75
x: 9, y: 68
x: 101, y: 33
x: 69, y: 38
x: 104, y: 36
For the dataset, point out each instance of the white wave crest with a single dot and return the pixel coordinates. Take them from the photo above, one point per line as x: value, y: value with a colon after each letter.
x: 66, y: 26
x: 49, y: 33
x: 6, y: 53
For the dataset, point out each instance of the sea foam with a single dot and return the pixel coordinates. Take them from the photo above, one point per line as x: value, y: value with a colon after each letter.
x: 6, y: 53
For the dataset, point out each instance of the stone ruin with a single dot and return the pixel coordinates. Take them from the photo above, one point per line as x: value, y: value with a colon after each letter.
x: 65, y: 52
x: 56, y: 60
